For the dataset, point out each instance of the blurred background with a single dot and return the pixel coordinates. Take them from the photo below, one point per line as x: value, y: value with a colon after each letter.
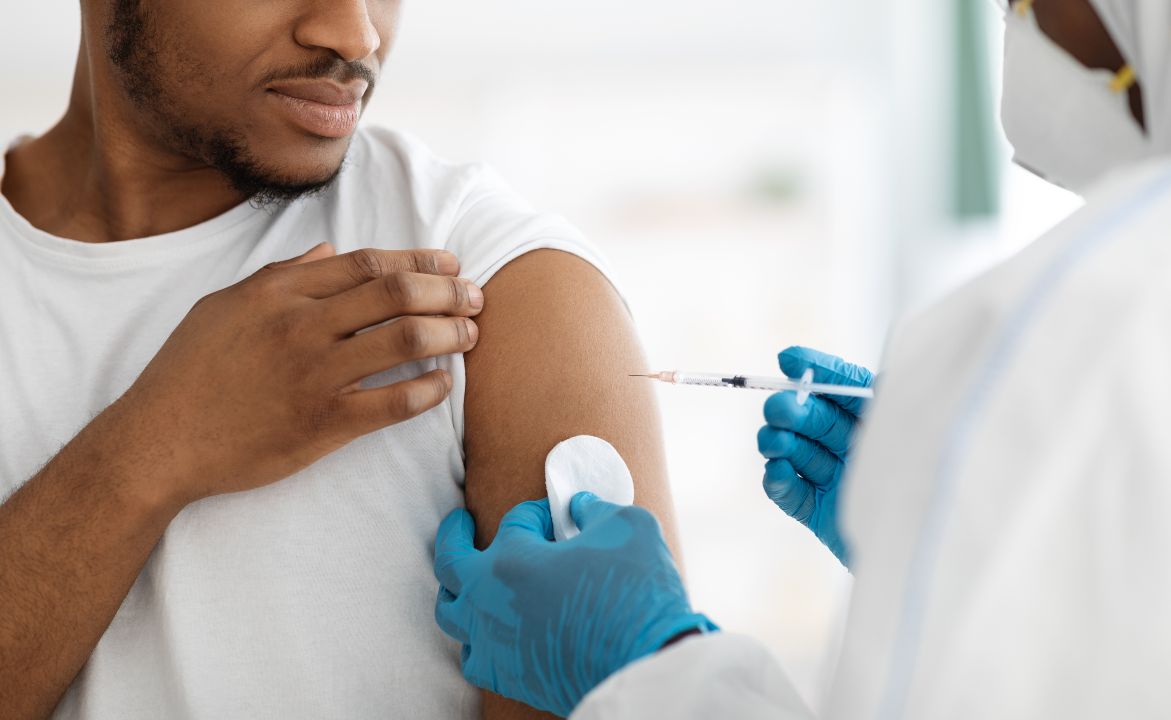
x: 761, y: 173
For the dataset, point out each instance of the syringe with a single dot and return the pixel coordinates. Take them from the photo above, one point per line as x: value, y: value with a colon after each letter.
x: 804, y: 387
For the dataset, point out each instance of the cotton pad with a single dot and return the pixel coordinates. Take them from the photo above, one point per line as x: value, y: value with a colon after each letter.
x: 584, y: 464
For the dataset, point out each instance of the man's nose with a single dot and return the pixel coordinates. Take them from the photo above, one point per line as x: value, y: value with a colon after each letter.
x: 344, y: 27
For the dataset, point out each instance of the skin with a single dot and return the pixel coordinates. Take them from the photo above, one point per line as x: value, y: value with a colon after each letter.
x: 173, y: 127
x: 553, y: 320
x: 1075, y: 26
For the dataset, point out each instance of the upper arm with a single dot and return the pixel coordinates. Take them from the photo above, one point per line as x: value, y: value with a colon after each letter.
x: 555, y: 350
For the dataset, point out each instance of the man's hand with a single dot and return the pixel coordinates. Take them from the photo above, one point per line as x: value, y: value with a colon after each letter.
x: 808, y: 445
x: 545, y: 622
x: 262, y: 378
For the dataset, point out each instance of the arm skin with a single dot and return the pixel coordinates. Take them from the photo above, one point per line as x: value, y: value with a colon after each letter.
x: 556, y: 346
x: 74, y: 538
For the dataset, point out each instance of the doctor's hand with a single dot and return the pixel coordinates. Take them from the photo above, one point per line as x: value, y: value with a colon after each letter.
x: 808, y: 446
x: 545, y: 622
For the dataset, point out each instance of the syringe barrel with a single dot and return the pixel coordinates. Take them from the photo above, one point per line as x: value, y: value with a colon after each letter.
x: 770, y: 384
x: 747, y: 382
x: 690, y: 378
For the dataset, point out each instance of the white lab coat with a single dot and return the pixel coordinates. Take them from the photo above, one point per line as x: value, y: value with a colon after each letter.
x: 1009, y: 508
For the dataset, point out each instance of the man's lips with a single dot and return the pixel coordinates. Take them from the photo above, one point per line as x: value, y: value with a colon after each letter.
x: 325, y: 92
x: 321, y: 107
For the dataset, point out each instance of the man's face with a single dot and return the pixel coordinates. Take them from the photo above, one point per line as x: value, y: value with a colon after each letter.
x: 269, y: 93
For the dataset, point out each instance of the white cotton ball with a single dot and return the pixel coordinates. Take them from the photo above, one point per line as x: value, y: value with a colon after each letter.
x: 584, y: 464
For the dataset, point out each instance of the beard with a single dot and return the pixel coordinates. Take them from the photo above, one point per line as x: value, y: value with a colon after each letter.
x: 132, y: 45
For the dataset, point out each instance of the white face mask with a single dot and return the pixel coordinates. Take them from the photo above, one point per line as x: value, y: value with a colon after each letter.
x: 1066, y: 122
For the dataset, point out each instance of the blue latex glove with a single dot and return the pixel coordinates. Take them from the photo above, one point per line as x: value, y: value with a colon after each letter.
x: 808, y: 445
x: 544, y: 622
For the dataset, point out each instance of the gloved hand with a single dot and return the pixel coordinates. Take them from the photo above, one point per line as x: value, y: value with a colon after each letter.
x: 808, y: 445
x: 545, y: 622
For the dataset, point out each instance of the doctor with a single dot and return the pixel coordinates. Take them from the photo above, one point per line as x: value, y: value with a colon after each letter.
x: 1006, y: 513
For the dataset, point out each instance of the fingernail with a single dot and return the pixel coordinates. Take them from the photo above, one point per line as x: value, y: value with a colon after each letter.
x: 447, y: 263
x: 473, y: 331
x: 475, y: 296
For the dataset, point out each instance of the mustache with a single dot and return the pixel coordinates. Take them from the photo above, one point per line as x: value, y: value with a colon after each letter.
x: 325, y: 67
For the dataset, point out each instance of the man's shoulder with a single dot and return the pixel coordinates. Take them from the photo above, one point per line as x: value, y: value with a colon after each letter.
x: 399, y: 163
x: 394, y: 189
x: 392, y: 182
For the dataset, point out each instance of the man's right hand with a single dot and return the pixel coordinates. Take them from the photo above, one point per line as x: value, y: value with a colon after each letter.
x: 262, y: 378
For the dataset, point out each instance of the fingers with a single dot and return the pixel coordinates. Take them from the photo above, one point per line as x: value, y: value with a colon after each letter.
x: 407, y: 339
x: 452, y: 617
x: 815, y: 463
x: 791, y: 493
x: 828, y: 369
x: 334, y: 275
x: 398, y: 294
x: 454, y: 545
x: 365, y: 411
x: 455, y: 551
x: 820, y: 420
x: 587, y: 508
x: 475, y: 672
x: 529, y: 520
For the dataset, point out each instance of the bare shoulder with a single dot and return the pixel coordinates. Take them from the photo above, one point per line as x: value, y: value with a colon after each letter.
x: 556, y: 346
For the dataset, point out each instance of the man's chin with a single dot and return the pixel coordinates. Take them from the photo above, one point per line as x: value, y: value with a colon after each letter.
x: 263, y: 192
x: 271, y: 167
x: 294, y: 154
x: 268, y: 182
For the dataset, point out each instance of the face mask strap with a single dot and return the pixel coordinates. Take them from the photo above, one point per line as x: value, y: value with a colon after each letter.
x: 1123, y: 80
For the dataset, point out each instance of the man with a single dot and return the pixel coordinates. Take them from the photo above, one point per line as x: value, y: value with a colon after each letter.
x: 1005, y: 514
x: 198, y: 264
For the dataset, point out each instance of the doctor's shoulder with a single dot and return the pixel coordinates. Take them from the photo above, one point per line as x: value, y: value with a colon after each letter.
x: 1116, y: 238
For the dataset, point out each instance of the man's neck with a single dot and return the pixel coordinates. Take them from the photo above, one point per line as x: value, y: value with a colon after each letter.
x: 95, y: 177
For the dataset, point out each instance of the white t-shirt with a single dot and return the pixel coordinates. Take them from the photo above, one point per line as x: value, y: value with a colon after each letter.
x: 310, y: 598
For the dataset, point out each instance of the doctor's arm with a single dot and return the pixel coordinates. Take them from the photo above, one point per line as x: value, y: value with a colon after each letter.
x: 556, y: 345
x: 708, y: 676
